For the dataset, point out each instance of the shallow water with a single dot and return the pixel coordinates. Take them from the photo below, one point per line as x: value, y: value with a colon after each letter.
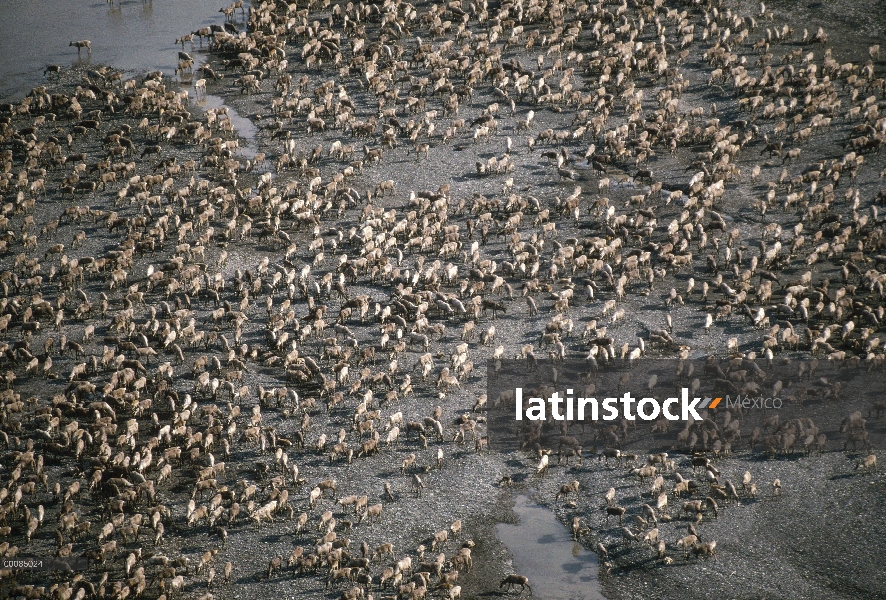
x: 244, y: 128
x: 558, y: 568
x: 131, y: 35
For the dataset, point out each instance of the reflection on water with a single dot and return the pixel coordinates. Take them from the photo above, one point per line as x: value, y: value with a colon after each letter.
x: 558, y: 568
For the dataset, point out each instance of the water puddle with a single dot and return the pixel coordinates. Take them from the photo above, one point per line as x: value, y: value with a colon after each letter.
x: 627, y: 183
x: 558, y: 568
x: 243, y: 127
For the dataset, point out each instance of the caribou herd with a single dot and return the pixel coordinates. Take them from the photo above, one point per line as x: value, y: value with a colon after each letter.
x: 202, y: 343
